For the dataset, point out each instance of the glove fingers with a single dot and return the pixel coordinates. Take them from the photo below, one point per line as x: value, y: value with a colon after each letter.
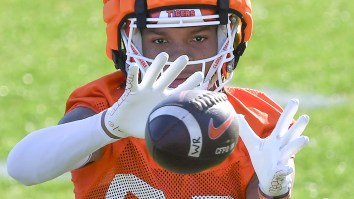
x: 172, y: 72
x: 132, y: 79
x: 193, y: 81
x: 293, y: 147
x: 296, y: 130
x: 286, y: 118
x: 154, y: 70
x: 249, y: 137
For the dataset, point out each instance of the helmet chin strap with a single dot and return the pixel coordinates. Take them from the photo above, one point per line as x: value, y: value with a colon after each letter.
x: 212, y: 83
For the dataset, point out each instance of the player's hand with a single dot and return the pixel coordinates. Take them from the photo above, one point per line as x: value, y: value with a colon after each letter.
x: 128, y: 116
x: 270, y: 156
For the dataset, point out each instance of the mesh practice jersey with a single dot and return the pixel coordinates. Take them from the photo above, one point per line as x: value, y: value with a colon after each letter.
x: 127, y: 171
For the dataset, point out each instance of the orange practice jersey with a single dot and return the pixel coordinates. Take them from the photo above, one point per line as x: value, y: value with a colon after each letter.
x: 127, y: 171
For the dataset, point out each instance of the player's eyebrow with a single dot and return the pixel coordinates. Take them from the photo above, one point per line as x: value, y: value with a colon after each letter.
x: 203, y: 28
x: 156, y: 31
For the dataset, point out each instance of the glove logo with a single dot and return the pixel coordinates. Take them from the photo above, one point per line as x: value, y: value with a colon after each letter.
x: 215, y: 133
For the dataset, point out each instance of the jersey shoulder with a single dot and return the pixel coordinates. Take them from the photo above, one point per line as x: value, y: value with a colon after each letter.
x: 99, y: 94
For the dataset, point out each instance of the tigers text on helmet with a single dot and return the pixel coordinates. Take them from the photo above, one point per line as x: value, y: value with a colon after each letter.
x: 125, y: 18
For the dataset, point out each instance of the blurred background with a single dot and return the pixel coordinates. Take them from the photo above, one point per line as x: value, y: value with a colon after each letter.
x: 299, y: 49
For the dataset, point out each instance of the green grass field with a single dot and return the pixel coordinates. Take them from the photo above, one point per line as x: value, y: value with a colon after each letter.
x: 49, y: 48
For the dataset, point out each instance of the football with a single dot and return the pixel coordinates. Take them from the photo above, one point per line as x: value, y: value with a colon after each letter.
x: 192, y: 131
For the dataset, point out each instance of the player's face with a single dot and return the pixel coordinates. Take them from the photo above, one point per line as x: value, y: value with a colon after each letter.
x: 195, y: 42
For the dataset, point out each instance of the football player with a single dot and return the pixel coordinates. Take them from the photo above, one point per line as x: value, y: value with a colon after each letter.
x: 160, y: 48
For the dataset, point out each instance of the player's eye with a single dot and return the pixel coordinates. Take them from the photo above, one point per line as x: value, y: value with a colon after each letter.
x: 199, y: 38
x: 159, y: 41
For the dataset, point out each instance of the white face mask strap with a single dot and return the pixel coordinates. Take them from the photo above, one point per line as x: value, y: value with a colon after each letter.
x: 219, y: 61
x: 133, y: 51
x: 227, y: 55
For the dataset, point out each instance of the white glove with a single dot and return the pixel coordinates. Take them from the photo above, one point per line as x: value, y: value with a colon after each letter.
x: 270, y: 156
x: 128, y: 116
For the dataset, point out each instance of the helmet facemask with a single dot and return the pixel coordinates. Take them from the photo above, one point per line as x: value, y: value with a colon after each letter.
x: 222, y: 64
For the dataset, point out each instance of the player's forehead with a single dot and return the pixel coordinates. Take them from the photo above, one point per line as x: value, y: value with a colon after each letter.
x: 172, y: 31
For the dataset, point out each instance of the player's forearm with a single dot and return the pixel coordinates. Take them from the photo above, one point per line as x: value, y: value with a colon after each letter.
x: 48, y: 153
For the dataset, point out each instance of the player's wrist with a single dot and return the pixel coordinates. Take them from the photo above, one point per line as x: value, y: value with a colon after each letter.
x: 262, y: 195
x: 105, y: 128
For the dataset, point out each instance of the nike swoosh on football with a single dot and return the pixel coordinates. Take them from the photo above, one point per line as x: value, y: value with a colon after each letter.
x: 214, y: 133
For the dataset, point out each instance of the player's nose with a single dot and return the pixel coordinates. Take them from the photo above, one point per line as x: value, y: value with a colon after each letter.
x: 179, y: 49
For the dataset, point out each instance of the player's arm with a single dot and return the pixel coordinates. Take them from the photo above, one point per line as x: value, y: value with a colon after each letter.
x: 79, y: 114
x: 50, y: 152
